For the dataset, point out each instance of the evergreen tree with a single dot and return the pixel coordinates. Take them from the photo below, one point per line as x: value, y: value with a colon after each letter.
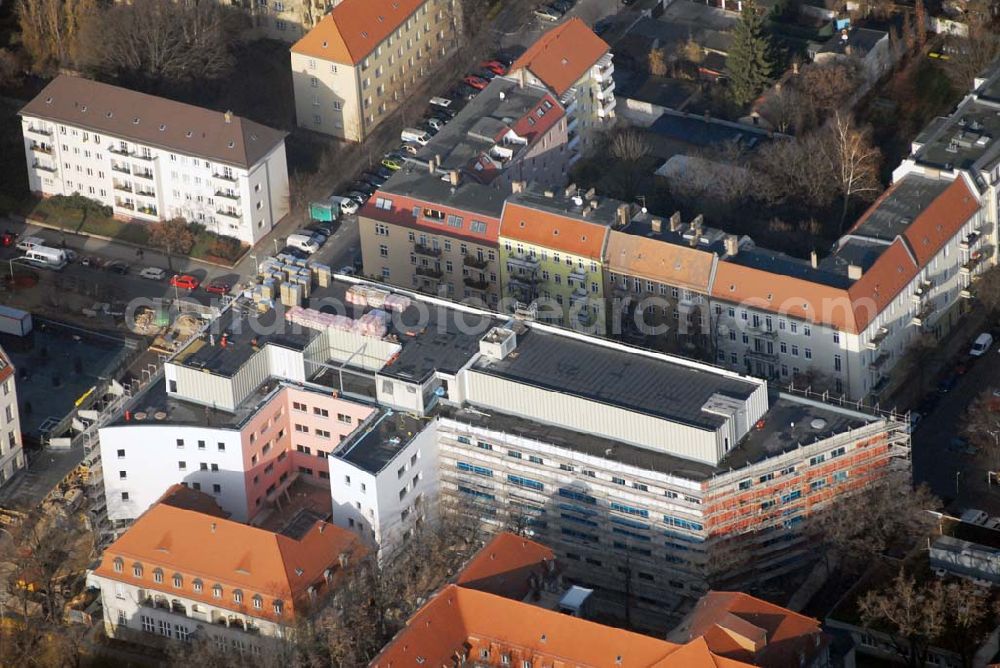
x: 749, y: 64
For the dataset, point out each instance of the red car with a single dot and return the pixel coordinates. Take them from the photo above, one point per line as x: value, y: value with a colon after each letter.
x: 494, y: 66
x: 218, y: 287
x: 185, y: 281
x: 478, y: 83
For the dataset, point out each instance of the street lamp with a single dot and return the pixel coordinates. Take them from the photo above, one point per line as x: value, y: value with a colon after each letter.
x: 11, y: 262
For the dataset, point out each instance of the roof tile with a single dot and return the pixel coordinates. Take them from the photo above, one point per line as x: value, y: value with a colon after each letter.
x: 350, y: 32
x: 561, y: 57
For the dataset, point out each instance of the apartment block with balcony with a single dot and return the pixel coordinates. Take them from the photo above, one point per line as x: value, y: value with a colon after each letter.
x: 151, y: 159
x: 356, y: 65
x: 11, y: 444
x: 184, y: 572
x: 842, y: 323
x: 576, y: 66
x: 552, y: 254
x: 434, y: 236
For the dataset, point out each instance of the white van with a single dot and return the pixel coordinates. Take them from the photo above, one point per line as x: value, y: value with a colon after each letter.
x: 28, y: 243
x: 47, y: 258
x: 414, y: 135
x: 442, y: 102
x: 302, y: 242
x: 982, y: 345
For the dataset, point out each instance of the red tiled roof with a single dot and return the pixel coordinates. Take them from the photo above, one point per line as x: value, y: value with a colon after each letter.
x: 552, y: 230
x: 561, y: 57
x: 400, y: 212
x: 506, y: 565
x: 354, y: 28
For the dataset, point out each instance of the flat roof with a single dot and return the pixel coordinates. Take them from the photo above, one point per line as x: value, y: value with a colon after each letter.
x: 535, y: 197
x: 415, y: 180
x: 378, y: 443
x: 449, y: 340
x: 895, y: 212
x: 612, y: 375
x: 777, y: 437
x: 971, y: 533
x: 966, y: 138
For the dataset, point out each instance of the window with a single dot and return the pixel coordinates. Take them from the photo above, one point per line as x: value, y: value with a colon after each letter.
x: 178, y: 580
x: 182, y: 466
x: 237, y: 596
x: 618, y: 481
x: 525, y: 482
x: 119, y: 564
x: 124, y: 496
x: 217, y: 591
x: 180, y: 442
x: 222, y: 447
x: 535, y: 460
x: 157, y: 576
x: 514, y: 453
x: 258, y: 602
x: 217, y: 489
x: 383, y: 203
x: 137, y: 570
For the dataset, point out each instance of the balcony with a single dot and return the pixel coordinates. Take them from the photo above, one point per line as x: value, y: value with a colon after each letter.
x: 760, y: 329
x: 145, y: 193
x: 881, y: 335
x: 922, y: 291
x: 119, y: 150
x: 228, y: 213
x: 146, y: 209
x: 227, y: 194
x: 572, y: 140
x: 124, y: 205
x: 762, y: 354
x: 921, y: 316
x: 688, y: 305
x: 475, y: 262
x: 430, y: 272
x: 43, y: 167
x: 145, y: 174
x: 969, y: 240
x: 143, y: 155
x: 607, y: 91
x: 41, y: 148
x: 971, y: 264
x: 225, y: 177
x: 123, y: 187
x: 34, y: 129
x: 879, y: 362
x: 476, y: 284
x: 965, y: 293
x: 523, y: 261
x: 606, y: 108
x: 604, y: 68
x: 121, y: 169
x: 427, y: 251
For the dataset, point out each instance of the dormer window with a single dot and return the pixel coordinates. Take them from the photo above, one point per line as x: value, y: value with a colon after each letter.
x: 137, y: 570
x: 258, y: 602
x: 237, y: 596
x: 279, y: 607
x: 197, y: 584
x: 217, y: 591
x: 178, y: 580
x: 158, y: 575
x: 118, y: 564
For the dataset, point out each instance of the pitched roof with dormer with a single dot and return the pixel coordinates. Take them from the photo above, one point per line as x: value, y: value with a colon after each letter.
x: 562, y: 56
x: 355, y: 28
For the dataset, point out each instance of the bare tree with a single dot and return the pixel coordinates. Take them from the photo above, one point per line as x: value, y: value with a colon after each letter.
x: 783, y: 108
x: 855, y: 160
x: 628, y: 147
x: 913, y: 615
x: 657, y: 62
x: 970, y: 55
x: 157, y: 42
x: 826, y: 88
x: 50, y: 30
x: 859, y: 527
x: 982, y: 427
x: 172, y: 236
x: 10, y: 68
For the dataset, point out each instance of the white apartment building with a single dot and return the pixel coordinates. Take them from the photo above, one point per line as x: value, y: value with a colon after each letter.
x: 151, y: 159
x: 184, y: 570
x: 11, y: 451
x: 577, y: 67
x: 356, y: 65
x: 842, y: 323
x: 384, y: 479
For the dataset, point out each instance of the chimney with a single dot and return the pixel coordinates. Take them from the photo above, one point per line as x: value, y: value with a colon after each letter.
x: 854, y: 272
x: 814, y: 259
x: 732, y: 245
x: 697, y: 222
x: 589, y: 194
x: 431, y: 166
x: 437, y: 160
x: 322, y: 525
x: 657, y: 225
x: 594, y: 204
x: 570, y: 190
x: 521, y: 78
x: 549, y: 194
x: 695, y: 237
x: 453, y: 177
x: 622, y: 215
x: 675, y: 221
x: 228, y: 116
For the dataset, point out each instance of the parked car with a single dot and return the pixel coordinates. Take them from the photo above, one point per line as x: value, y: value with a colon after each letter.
x: 428, y: 128
x: 153, y: 273
x: 363, y: 187
x: 975, y: 516
x: 294, y: 252
x: 91, y: 261
x: 414, y: 136
x: 218, y: 286
x: 409, y: 149
x: 349, y: 206
x: 360, y: 198
x: 374, y: 178
x: 117, y: 267
x: 185, y: 281
x: 548, y: 13
x: 494, y: 66
x: 473, y: 81
x: 27, y: 243
x: 347, y: 270
x: 8, y: 238
x: 484, y: 73
x: 436, y: 123
x: 317, y: 230
x: 947, y: 384
x: 440, y: 102
x: 981, y: 345
x: 392, y: 162
x: 444, y: 115
x: 71, y: 255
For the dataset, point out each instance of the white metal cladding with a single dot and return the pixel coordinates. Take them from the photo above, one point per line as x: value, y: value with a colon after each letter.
x: 285, y: 363
x: 251, y: 374
x: 580, y: 414
x: 202, y: 387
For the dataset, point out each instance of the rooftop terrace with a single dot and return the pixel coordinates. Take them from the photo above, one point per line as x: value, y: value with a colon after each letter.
x: 375, y: 444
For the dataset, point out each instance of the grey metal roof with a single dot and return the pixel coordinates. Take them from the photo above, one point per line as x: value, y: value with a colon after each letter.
x: 155, y: 121
x: 617, y: 377
x: 414, y: 180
